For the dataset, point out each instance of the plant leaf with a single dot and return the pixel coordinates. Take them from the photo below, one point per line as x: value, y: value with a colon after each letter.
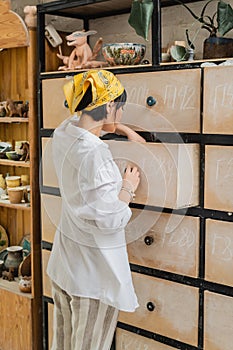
x: 225, y: 18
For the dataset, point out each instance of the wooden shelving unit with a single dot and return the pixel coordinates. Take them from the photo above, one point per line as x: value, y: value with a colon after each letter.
x: 21, y: 310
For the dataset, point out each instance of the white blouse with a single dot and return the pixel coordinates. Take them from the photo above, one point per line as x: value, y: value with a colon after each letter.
x: 89, y: 256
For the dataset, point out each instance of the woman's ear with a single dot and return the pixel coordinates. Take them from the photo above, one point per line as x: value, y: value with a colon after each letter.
x: 109, y: 107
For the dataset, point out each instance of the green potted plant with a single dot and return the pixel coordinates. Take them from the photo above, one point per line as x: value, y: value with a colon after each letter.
x: 218, y: 24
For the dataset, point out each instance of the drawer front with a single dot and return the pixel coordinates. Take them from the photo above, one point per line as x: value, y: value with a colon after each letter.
x: 169, y: 172
x: 53, y: 98
x: 219, y: 252
x: 131, y: 341
x: 164, y: 241
x: 47, y: 291
x: 166, y: 308
x: 50, y: 324
x: 218, y: 322
x: 219, y: 178
x: 163, y: 101
x: 49, y: 177
x: 50, y: 216
x: 218, y: 103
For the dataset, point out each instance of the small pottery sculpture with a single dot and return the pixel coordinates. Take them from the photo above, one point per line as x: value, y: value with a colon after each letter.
x: 25, y: 284
x: 82, y: 56
x: 8, y: 275
x: 25, y: 151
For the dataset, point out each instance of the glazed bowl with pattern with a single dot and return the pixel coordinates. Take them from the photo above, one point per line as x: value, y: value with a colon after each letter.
x: 123, y: 53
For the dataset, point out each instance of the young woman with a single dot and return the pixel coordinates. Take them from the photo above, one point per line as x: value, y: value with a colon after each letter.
x: 89, y: 266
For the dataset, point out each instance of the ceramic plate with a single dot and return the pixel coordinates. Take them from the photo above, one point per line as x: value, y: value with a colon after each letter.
x: 3, y: 239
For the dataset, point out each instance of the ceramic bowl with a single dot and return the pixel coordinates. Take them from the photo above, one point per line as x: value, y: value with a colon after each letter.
x: 13, y: 155
x: 13, y: 181
x: 123, y: 53
x: 15, y: 194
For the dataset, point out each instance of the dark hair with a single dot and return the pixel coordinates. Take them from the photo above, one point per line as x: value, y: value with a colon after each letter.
x: 100, y: 112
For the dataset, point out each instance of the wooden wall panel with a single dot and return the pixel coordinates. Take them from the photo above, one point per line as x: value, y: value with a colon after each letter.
x: 219, y: 178
x: 164, y: 241
x: 218, y: 322
x: 175, y: 313
x: 219, y: 252
x: 15, y: 311
x: 218, y: 103
x: 177, y: 95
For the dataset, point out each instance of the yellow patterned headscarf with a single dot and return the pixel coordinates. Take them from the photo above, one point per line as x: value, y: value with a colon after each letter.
x: 105, y: 88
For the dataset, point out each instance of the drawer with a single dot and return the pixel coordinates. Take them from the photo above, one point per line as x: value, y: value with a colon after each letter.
x: 49, y: 177
x: 50, y: 324
x: 218, y: 322
x: 176, y: 98
x: 164, y: 241
x: 218, y: 102
x: 219, y: 178
x: 166, y: 308
x: 50, y: 216
x: 53, y: 98
x: 47, y: 291
x: 169, y: 172
x: 131, y: 341
x: 219, y: 252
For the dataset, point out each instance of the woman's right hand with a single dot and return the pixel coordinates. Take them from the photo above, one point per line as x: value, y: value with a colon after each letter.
x: 131, y: 178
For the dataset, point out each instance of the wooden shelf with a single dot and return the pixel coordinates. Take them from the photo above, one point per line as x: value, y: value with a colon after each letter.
x: 13, y: 287
x: 18, y: 163
x: 6, y: 203
x: 13, y: 120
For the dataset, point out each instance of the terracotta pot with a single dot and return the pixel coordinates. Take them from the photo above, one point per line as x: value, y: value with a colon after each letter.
x: 214, y: 47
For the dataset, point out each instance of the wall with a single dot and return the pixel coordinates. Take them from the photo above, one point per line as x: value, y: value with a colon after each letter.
x: 118, y: 30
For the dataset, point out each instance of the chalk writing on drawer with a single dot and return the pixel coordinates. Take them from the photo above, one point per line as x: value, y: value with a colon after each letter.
x: 182, y: 98
x: 222, y: 247
x: 135, y: 93
x: 224, y: 170
x: 223, y: 96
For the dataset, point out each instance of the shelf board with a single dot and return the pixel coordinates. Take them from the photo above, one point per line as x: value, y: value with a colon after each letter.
x: 13, y: 287
x: 13, y: 120
x: 6, y: 203
x: 18, y: 163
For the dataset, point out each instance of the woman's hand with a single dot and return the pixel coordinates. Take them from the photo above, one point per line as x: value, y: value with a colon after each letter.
x: 131, y: 178
x: 130, y: 133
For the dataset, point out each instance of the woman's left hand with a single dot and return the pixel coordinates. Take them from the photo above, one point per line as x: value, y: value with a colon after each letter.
x: 130, y: 133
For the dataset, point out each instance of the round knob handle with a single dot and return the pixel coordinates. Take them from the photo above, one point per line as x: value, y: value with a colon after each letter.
x: 150, y: 306
x: 148, y: 240
x: 66, y: 104
x: 151, y: 101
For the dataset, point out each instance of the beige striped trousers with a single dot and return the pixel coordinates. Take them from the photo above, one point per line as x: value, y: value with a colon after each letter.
x: 81, y: 323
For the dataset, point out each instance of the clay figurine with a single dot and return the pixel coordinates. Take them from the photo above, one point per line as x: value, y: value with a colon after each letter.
x: 25, y: 148
x: 8, y: 275
x: 82, y: 56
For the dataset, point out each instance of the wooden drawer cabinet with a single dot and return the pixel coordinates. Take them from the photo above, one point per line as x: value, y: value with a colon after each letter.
x: 54, y: 109
x: 166, y: 308
x: 219, y: 178
x: 50, y: 216
x: 219, y: 252
x: 46, y: 280
x: 163, y: 101
x: 218, y: 322
x: 218, y: 102
x: 164, y: 241
x: 169, y: 172
x: 131, y: 341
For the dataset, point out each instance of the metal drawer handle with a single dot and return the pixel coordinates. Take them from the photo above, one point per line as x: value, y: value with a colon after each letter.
x: 148, y: 240
x: 150, y: 306
x: 151, y: 101
x: 66, y: 104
